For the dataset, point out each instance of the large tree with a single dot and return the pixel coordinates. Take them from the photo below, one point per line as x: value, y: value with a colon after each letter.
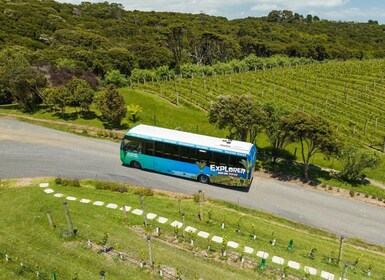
x: 241, y: 115
x: 20, y: 79
x: 80, y: 94
x: 112, y: 106
x: 275, y: 128
x: 56, y: 97
x: 315, y: 135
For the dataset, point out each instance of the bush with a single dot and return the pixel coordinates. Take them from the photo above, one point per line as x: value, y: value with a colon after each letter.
x: 380, y: 199
x: 115, y: 187
x: 351, y: 192
x: 144, y: 191
x: 330, y: 188
x: 67, y: 182
x: 366, y: 196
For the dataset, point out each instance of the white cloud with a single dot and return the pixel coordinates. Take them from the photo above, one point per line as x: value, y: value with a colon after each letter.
x: 355, y: 14
x: 268, y: 5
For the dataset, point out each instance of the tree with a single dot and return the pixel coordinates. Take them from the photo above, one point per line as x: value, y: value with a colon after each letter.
x: 20, y: 79
x: 115, y: 78
x: 80, y: 94
x: 241, y: 115
x: 56, y: 96
x: 354, y: 160
x: 275, y: 128
x: 134, y: 110
x: 314, y: 134
x: 112, y: 106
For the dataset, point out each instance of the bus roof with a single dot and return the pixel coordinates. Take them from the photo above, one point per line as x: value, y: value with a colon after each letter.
x: 191, y: 140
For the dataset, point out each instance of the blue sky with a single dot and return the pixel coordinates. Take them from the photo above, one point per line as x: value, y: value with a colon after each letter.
x: 344, y: 10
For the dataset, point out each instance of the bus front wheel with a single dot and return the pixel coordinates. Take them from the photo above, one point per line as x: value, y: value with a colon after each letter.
x: 203, y: 179
x: 136, y: 164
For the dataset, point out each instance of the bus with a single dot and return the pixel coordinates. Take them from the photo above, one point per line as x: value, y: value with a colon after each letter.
x: 194, y: 156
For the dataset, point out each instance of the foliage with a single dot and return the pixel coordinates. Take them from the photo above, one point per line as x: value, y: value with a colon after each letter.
x: 314, y: 134
x: 354, y: 160
x: 80, y: 94
x: 134, y: 110
x: 143, y: 191
x: 111, y: 186
x: 67, y: 182
x: 20, y: 79
x: 115, y: 78
x: 275, y: 128
x: 112, y: 106
x: 56, y: 96
x: 241, y: 115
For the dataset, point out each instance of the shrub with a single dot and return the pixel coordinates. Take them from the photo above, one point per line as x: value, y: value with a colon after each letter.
x: 70, y: 182
x: 330, y: 188
x: 351, y: 192
x: 358, y: 194
x: 366, y: 196
x: 100, y: 133
x: 67, y: 182
x: 144, y: 191
x: 374, y: 197
x: 380, y: 199
x: 115, y: 187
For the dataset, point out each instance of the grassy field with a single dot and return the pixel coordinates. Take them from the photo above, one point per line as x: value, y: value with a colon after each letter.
x: 26, y: 235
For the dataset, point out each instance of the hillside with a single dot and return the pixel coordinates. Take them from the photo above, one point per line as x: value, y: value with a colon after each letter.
x: 348, y: 94
x: 28, y: 239
x: 99, y: 37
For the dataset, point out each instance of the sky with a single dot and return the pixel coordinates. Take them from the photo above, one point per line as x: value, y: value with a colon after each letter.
x: 338, y: 10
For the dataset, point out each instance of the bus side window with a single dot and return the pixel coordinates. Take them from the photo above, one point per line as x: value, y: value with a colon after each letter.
x: 187, y: 154
x: 171, y: 151
x: 148, y: 148
x: 203, y: 155
x: 159, y: 149
x: 221, y: 159
x: 235, y: 161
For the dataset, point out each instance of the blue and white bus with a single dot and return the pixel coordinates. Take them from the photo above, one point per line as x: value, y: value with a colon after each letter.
x: 204, y: 158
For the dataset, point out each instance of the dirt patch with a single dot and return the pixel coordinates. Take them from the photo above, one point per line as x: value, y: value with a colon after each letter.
x: 325, y: 188
x: 23, y: 182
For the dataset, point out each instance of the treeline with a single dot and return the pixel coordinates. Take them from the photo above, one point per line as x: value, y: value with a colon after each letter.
x: 245, y: 117
x: 100, y: 37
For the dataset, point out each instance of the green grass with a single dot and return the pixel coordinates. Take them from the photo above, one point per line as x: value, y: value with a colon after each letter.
x: 25, y: 234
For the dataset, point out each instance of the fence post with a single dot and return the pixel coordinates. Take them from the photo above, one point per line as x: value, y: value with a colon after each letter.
x: 51, y: 223
x: 69, y: 221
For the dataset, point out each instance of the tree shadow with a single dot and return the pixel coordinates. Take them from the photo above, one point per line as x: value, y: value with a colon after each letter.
x: 67, y: 116
x: 289, y: 170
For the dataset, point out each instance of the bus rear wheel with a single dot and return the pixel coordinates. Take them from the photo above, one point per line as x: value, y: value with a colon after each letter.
x: 136, y: 164
x: 203, y: 179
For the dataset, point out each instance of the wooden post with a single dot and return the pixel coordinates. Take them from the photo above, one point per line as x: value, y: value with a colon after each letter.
x: 69, y: 221
x: 200, y: 205
x: 144, y: 210
x: 340, y: 250
x: 179, y: 206
x: 51, y: 223
x: 125, y: 213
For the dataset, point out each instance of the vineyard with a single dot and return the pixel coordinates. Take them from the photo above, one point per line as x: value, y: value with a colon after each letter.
x: 350, y: 94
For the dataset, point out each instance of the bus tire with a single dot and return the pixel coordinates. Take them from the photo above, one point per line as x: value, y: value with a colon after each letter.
x: 135, y: 164
x: 203, y: 179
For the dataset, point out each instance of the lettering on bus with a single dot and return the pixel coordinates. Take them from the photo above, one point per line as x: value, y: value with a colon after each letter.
x: 225, y: 169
